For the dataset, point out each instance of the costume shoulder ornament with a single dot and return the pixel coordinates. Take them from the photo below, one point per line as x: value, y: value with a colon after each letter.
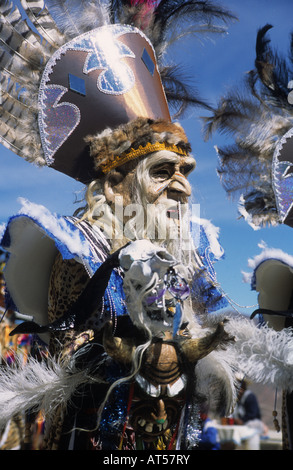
x: 259, y: 118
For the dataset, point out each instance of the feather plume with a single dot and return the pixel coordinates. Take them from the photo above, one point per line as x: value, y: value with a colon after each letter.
x: 18, y: 25
x: 15, y: 40
x: 165, y: 22
x: 262, y: 354
x: 39, y: 385
x: 179, y: 92
x: 215, y: 380
x: 75, y: 17
x: 13, y: 66
x: 14, y: 139
x: 255, y: 116
x: 15, y: 107
x: 204, y: 14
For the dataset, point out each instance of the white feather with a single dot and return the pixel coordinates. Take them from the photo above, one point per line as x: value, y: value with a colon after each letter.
x: 215, y: 380
x: 39, y: 385
x: 75, y: 17
x: 261, y: 353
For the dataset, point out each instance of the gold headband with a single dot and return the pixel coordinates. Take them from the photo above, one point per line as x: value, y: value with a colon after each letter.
x: 149, y: 148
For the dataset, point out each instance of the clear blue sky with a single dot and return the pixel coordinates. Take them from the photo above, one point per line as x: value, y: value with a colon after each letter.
x: 217, y: 65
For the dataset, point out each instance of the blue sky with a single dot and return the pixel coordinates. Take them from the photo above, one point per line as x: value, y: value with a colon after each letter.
x: 217, y: 65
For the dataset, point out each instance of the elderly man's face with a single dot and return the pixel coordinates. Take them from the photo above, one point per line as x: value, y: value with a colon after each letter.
x: 162, y: 182
x: 158, y: 184
x: 169, y: 183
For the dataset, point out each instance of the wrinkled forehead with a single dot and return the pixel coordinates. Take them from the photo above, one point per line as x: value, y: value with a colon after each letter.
x: 166, y: 157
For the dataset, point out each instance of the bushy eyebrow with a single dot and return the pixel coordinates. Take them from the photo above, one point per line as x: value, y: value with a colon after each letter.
x: 186, y: 163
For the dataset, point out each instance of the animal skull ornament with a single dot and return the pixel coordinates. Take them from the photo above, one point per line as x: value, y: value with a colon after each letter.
x: 153, y: 285
x: 141, y: 259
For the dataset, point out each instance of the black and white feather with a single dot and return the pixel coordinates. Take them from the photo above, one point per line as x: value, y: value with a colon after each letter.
x: 255, y: 116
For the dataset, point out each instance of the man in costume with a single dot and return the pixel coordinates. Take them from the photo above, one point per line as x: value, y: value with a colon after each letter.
x: 121, y: 301
x: 88, y: 101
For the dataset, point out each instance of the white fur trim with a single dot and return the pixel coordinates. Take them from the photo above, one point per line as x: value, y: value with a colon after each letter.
x: 57, y: 226
x: 212, y: 233
x: 266, y: 254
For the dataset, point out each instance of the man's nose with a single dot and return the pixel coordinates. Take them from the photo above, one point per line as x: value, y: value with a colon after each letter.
x: 179, y: 186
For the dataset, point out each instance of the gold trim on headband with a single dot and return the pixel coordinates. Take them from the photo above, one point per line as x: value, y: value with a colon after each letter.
x: 149, y: 148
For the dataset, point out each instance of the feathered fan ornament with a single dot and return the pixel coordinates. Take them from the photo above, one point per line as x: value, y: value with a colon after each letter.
x: 259, y: 118
x: 40, y: 110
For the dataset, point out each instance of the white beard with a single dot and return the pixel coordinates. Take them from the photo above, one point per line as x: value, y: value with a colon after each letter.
x: 150, y: 222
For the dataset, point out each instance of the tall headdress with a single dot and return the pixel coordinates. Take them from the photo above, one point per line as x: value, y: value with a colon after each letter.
x: 258, y: 165
x: 72, y: 72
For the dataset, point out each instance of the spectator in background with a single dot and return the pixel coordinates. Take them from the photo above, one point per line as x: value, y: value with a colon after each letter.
x: 247, y: 407
x: 247, y: 411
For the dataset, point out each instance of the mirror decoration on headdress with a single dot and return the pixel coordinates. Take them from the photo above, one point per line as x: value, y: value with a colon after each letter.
x: 112, y: 68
